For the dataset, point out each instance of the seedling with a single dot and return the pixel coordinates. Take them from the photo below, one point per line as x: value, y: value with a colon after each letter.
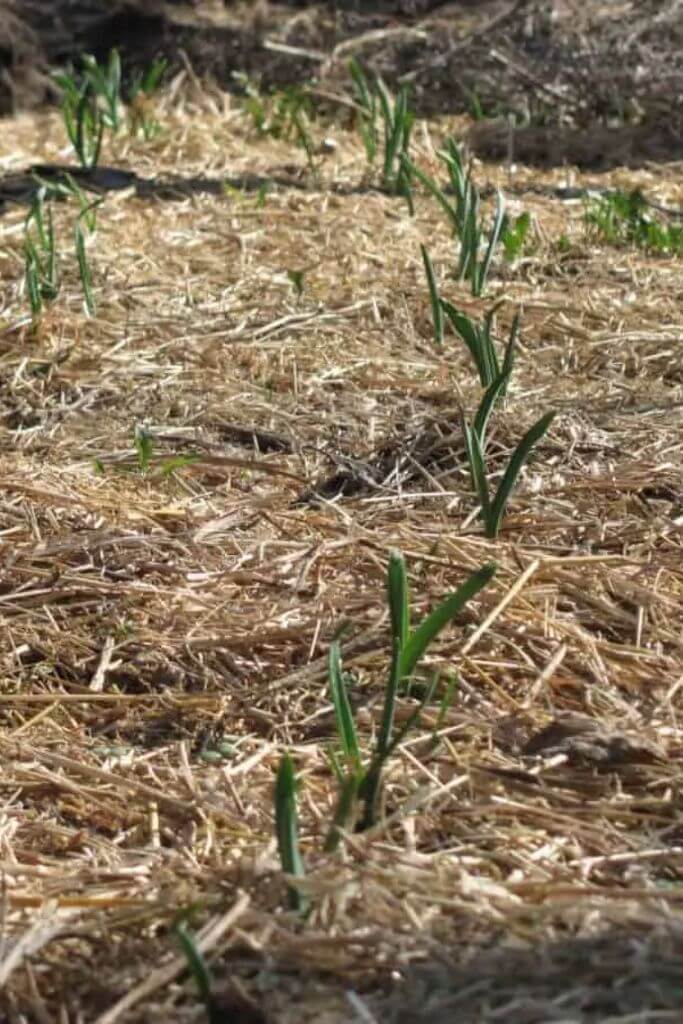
x: 461, y: 186
x: 83, y: 119
x: 622, y: 218
x: 464, y: 216
x: 514, y: 236
x: 471, y: 268
x: 296, y: 278
x: 434, y: 299
x: 480, y: 343
x: 359, y: 783
x: 105, y: 82
x: 286, y: 825
x: 492, y: 510
x: 144, y: 447
x: 200, y: 972
x: 379, y: 109
x: 283, y: 115
x: 368, y: 111
x: 40, y: 254
x: 143, y: 87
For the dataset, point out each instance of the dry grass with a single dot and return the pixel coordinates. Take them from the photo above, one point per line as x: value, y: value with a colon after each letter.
x: 147, y: 617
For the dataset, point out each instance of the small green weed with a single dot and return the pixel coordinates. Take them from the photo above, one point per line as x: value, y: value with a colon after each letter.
x: 514, y: 236
x: 83, y: 118
x: 626, y: 218
x: 286, y: 114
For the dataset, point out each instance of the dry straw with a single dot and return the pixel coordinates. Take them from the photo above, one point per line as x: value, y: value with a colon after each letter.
x: 165, y: 635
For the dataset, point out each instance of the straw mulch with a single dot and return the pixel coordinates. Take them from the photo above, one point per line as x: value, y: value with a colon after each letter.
x: 165, y: 634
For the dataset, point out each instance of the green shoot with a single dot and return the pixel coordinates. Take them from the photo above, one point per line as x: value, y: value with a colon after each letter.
x: 143, y: 87
x: 40, y: 255
x: 463, y: 213
x: 361, y: 783
x: 514, y: 236
x: 200, y: 972
x: 287, y: 830
x: 621, y: 218
x: 282, y: 115
x: 492, y: 510
x: 377, y: 106
x: 366, y: 101
x: 88, y: 217
x: 479, y: 341
x: 144, y: 447
x: 296, y: 278
x: 84, y: 124
x: 106, y: 85
x: 437, y: 308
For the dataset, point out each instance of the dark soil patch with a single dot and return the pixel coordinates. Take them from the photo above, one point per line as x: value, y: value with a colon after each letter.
x: 555, y: 65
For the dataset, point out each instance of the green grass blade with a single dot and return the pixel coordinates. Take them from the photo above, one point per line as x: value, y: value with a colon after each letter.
x: 414, y: 716
x: 475, y: 457
x: 361, y: 84
x: 84, y: 270
x: 489, y: 353
x: 486, y: 405
x: 287, y: 830
x: 399, y: 600
x: 514, y: 468
x: 510, y: 349
x: 437, y: 308
x: 496, y: 228
x: 346, y: 727
x: 345, y: 810
x: 432, y: 625
x: 32, y: 280
x: 197, y: 966
x: 442, y: 199
x: 470, y: 334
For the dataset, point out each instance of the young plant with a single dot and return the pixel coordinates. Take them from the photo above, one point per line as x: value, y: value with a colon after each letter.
x: 200, y: 972
x: 434, y: 299
x: 105, y: 82
x: 144, y: 447
x: 471, y: 268
x: 368, y: 111
x: 40, y: 254
x: 463, y: 214
x: 514, y: 236
x: 377, y: 107
x: 286, y: 826
x: 622, y: 218
x: 461, y: 186
x: 143, y: 87
x: 492, y: 510
x: 84, y: 268
x: 84, y: 122
x: 283, y: 115
x: 480, y: 343
x: 359, y: 783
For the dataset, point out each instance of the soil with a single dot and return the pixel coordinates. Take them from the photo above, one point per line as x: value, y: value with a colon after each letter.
x: 589, y: 83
